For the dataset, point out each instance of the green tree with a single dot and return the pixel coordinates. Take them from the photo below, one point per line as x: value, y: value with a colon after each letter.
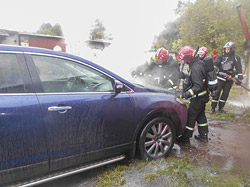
x: 47, y: 28
x: 211, y: 23
x: 181, y: 6
x: 167, y: 36
x: 97, y: 30
x: 177, y: 44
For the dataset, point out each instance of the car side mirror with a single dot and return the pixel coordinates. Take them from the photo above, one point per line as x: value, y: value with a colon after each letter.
x: 118, y: 87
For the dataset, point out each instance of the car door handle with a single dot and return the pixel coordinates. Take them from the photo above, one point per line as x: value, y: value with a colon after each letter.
x: 59, y: 108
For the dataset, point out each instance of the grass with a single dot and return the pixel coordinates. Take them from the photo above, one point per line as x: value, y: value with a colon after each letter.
x: 151, y: 176
x: 113, y: 176
x: 238, y: 91
x: 179, y: 171
x: 231, y: 115
x: 234, y: 113
x: 182, y: 171
x: 231, y: 178
x: 245, y: 117
x: 138, y: 163
x: 187, y: 172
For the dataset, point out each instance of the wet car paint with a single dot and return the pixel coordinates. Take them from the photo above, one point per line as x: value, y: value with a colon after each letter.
x: 22, y: 132
x: 31, y: 134
x: 158, y: 102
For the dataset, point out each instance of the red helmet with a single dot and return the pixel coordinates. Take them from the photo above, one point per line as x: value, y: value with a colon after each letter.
x: 202, y: 51
x: 161, y: 55
x: 186, y: 53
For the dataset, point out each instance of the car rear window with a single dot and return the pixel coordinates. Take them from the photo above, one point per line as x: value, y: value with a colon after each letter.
x: 10, y: 75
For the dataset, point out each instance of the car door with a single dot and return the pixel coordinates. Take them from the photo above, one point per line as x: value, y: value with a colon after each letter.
x: 23, y: 151
x: 81, y: 111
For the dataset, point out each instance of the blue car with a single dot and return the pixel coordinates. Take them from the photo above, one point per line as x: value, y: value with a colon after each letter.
x: 61, y: 114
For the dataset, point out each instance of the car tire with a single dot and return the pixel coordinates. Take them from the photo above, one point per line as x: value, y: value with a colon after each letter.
x: 156, y: 140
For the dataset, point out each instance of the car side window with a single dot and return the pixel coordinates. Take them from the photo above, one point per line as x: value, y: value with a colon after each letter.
x: 10, y: 75
x: 61, y: 75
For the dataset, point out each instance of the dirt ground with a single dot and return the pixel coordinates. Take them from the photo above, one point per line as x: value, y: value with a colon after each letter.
x: 228, y: 150
x: 228, y: 147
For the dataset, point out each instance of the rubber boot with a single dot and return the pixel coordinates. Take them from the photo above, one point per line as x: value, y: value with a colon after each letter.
x: 221, y: 110
x: 183, y: 139
x: 201, y: 138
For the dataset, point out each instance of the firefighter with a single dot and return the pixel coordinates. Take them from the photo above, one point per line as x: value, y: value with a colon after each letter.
x: 215, y: 54
x: 142, y: 71
x: 197, y: 91
x: 212, y: 82
x: 229, y: 65
x: 202, y: 52
x: 162, y: 71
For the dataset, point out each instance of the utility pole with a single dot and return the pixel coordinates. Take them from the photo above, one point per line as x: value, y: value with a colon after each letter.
x: 247, y: 43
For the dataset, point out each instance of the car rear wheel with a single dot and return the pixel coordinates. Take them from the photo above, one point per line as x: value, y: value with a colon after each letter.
x: 156, y: 140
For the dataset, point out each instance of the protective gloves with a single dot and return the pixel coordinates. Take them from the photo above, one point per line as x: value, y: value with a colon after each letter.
x: 229, y: 77
x: 183, y: 95
x: 182, y: 75
x: 240, y: 77
x: 186, y: 95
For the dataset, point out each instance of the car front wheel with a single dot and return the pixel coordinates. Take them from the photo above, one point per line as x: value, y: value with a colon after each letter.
x: 156, y: 139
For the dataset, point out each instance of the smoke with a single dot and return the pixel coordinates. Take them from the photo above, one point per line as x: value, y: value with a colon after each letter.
x: 120, y: 57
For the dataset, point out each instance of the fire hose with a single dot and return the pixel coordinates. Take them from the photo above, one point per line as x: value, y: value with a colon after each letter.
x: 235, y: 80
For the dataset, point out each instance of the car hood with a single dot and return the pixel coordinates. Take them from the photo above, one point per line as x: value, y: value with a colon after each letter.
x: 154, y: 89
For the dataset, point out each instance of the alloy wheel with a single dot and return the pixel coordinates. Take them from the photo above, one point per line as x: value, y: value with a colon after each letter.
x: 158, y: 140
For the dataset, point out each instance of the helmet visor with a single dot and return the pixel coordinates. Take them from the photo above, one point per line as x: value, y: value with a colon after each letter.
x: 178, y: 58
x: 158, y: 60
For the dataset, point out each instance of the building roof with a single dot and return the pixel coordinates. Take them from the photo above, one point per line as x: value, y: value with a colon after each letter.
x: 4, y: 32
x: 40, y: 35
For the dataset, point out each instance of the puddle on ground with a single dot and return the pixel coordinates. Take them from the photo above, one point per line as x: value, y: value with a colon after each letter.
x: 228, y: 147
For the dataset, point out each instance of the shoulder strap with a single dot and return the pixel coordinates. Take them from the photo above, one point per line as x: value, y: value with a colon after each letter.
x: 235, y: 58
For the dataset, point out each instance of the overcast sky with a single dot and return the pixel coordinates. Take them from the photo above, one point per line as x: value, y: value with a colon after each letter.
x: 132, y: 23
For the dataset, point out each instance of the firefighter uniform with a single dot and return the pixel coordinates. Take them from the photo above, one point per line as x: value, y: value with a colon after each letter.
x: 231, y: 65
x: 164, y: 75
x: 199, y: 97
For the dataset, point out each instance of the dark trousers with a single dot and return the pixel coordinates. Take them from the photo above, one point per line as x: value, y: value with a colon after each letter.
x: 196, y: 113
x: 224, y: 87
